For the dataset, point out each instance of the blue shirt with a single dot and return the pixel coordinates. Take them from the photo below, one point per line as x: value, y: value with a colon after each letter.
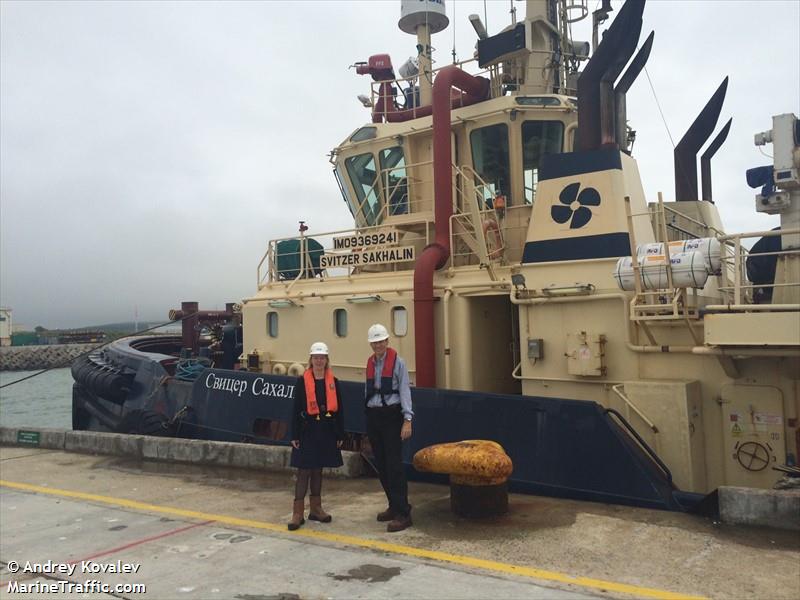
x: 400, y: 382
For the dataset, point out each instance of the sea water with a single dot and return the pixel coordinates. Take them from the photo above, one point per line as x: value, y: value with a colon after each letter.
x: 42, y: 401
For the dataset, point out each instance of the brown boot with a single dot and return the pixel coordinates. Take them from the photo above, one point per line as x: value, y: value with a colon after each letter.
x: 399, y: 523
x: 297, y: 515
x: 315, y: 513
x: 386, y: 515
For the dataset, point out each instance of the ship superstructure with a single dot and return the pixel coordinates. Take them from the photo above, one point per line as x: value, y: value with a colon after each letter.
x: 620, y: 348
x: 502, y: 233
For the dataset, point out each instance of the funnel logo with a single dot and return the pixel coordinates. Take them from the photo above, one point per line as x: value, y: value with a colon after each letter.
x: 574, y: 207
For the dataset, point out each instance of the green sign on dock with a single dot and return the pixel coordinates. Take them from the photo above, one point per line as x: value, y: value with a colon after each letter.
x: 28, y: 438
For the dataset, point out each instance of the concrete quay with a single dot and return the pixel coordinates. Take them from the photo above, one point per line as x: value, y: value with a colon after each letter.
x: 202, y: 531
x: 738, y: 506
x: 174, y: 450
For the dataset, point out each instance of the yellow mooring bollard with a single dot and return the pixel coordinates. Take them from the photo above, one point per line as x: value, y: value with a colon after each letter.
x: 478, y: 470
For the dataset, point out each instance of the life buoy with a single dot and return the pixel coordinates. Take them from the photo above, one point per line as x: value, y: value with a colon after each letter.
x: 491, y: 225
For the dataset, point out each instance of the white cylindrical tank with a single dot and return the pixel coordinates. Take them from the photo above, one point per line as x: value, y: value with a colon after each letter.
x: 709, y: 248
x: 414, y: 13
x: 623, y: 273
x: 688, y: 271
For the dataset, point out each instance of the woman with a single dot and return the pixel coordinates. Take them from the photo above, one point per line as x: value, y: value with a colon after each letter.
x: 317, y: 433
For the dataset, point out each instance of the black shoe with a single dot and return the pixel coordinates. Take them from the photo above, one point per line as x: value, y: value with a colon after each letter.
x: 399, y: 523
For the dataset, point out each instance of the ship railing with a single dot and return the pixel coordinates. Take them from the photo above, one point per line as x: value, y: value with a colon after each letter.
x: 409, y: 89
x: 668, y: 304
x: 398, y: 195
x: 740, y: 285
x: 772, y: 293
x: 678, y: 225
x: 477, y: 234
x: 291, y: 259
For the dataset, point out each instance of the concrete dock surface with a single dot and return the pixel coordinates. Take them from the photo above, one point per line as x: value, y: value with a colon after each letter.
x: 186, y: 531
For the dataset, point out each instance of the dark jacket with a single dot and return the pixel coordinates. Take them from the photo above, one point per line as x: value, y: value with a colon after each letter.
x: 299, y: 416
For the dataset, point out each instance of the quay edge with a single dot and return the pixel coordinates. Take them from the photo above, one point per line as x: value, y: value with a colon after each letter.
x: 778, y: 509
x: 175, y: 450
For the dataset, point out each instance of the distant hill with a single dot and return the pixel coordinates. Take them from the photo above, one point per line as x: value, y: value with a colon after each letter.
x: 127, y: 326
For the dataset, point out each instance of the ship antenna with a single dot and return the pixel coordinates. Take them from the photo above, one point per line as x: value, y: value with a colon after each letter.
x: 454, y: 32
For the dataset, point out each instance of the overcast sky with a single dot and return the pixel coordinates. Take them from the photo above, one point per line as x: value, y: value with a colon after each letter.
x: 149, y: 150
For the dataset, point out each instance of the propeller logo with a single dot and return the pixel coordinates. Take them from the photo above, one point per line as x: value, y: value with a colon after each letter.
x: 574, y: 207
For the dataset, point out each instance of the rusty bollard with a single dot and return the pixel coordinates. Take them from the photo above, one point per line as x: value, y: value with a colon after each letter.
x: 478, y: 471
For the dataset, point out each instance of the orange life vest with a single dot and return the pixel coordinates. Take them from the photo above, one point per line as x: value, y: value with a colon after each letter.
x: 331, y: 402
x: 387, y: 376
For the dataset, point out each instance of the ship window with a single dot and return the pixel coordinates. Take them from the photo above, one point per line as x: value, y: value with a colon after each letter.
x: 272, y: 324
x: 538, y: 101
x: 490, y: 160
x: 343, y: 189
x: 393, y: 178
x: 399, y: 321
x: 362, y: 173
x: 365, y: 133
x: 340, y: 322
x: 538, y: 138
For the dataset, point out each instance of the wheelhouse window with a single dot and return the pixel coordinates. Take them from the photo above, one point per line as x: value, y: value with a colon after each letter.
x: 272, y: 324
x: 343, y: 189
x: 340, y: 322
x: 490, y: 160
x: 394, y: 180
x: 538, y: 138
x: 364, y: 178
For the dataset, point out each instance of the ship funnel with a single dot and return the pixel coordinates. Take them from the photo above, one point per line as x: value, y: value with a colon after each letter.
x: 686, y: 150
x: 705, y: 160
x: 596, y: 83
x: 621, y: 90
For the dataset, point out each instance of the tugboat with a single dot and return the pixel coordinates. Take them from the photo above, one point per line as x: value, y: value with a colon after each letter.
x: 619, y: 349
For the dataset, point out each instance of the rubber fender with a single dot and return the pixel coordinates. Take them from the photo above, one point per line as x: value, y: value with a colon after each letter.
x: 143, y: 422
x: 279, y: 369
x: 111, y: 386
x: 295, y: 370
x: 80, y: 417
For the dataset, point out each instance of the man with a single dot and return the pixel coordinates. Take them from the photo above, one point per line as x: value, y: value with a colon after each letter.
x: 389, y: 414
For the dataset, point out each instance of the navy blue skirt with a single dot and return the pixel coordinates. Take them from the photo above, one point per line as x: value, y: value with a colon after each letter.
x: 317, y: 446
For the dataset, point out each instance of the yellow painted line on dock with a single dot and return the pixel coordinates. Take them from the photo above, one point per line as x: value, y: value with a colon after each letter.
x: 349, y: 540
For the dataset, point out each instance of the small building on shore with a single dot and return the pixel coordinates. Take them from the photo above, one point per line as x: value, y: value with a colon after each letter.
x: 5, y: 326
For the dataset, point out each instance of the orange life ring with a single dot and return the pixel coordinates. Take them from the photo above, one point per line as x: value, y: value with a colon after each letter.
x: 491, y: 225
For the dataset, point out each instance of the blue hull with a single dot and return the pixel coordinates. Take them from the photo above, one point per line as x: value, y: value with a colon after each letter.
x: 559, y: 447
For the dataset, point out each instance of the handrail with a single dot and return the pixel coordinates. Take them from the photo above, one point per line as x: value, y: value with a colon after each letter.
x: 375, y: 86
x: 642, y: 443
x: 270, y: 255
x: 736, y: 291
x: 630, y: 404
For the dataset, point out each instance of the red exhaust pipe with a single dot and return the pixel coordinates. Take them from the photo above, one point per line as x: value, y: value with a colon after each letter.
x: 436, y: 254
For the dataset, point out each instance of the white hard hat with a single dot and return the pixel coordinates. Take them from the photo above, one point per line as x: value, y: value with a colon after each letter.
x: 319, y: 348
x: 377, y: 333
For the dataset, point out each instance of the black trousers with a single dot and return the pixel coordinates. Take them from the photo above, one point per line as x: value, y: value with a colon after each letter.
x: 383, y: 430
